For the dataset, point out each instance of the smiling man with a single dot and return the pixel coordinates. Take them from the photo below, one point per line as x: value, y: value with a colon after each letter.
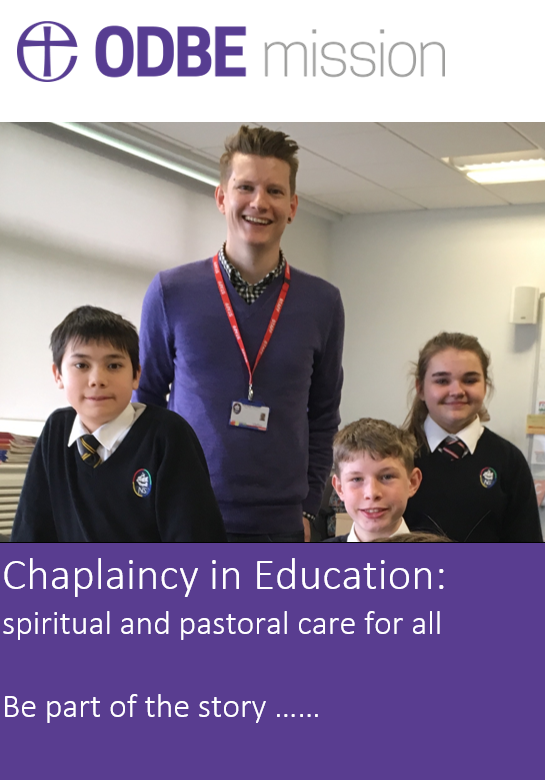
x: 250, y: 350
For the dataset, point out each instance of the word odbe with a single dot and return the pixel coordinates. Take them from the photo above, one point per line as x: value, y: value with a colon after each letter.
x: 193, y: 43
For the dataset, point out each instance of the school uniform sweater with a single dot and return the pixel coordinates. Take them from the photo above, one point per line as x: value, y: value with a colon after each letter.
x: 154, y: 488
x: 263, y: 480
x: 485, y: 497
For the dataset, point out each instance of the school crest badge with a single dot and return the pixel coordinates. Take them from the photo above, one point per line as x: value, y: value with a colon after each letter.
x: 141, y: 483
x: 488, y: 477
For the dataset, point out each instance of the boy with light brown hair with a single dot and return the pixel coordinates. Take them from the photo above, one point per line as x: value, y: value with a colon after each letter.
x: 374, y: 475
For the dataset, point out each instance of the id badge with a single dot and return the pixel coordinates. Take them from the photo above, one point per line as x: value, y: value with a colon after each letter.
x: 245, y: 414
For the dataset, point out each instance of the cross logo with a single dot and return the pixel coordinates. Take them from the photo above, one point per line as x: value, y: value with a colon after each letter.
x: 47, y: 42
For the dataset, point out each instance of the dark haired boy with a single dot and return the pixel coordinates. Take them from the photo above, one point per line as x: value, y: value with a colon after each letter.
x: 106, y: 469
x: 251, y: 350
x: 374, y: 475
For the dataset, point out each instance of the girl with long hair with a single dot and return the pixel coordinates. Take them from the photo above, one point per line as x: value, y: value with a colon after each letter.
x: 476, y: 486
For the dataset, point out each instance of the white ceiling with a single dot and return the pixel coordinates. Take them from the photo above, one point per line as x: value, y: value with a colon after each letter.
x: 366, y: 167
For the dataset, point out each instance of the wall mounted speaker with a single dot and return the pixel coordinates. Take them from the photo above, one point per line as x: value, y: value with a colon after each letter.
x: 524, y: 305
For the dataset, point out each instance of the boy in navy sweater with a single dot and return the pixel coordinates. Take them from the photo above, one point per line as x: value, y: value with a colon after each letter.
x: 106, y: 469
x: 374, y: 475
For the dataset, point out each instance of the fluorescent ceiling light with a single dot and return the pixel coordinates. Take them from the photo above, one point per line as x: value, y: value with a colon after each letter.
x: 502, y: 169
x: 123, y: 146
x: 506, y: 173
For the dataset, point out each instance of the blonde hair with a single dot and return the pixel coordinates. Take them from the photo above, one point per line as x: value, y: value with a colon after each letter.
x: 414, y: 422
x: 377, y: 438
x: 264, y: 143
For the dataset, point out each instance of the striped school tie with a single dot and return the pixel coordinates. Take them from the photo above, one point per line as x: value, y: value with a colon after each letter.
x: 453, y: 448
x: 90, y: 447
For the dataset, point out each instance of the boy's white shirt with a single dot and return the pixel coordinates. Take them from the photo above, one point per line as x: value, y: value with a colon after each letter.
x: 470, y: 435
x: 403, y: 529
x: 111, y: 434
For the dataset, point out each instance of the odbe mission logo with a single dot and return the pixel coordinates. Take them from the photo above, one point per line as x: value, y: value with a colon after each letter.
x: 46, y: 52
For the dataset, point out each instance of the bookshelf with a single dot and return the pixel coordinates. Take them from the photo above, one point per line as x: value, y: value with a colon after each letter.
x: 11, y: 482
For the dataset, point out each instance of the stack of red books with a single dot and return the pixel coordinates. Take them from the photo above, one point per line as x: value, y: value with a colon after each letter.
x: 16, y: 449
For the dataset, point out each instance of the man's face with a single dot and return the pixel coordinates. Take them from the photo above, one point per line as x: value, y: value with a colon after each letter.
x: 257, y: 203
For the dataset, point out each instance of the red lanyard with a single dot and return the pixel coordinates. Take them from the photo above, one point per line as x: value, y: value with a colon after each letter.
x: 233, y: 322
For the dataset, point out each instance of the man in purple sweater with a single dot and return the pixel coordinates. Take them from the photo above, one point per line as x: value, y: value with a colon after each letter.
x: 250, y: 350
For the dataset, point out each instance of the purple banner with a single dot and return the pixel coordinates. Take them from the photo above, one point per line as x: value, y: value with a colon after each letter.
x: 272, y: 661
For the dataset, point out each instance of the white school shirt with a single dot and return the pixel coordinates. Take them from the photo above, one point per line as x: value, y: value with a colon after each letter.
x: 403, y: 529
x: 111, y: 434
x: 470, y: 435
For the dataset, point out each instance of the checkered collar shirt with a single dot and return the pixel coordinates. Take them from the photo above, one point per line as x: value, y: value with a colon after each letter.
x: 250, y: 292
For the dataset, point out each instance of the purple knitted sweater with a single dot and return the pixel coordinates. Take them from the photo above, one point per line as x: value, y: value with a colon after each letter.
x: 263, y: 480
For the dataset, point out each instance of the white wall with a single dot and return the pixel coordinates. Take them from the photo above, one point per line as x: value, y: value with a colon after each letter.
x: 405, y: 277
x: 77, y: 228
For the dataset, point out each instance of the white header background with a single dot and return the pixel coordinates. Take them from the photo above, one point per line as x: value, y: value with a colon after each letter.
x: 494, y: 63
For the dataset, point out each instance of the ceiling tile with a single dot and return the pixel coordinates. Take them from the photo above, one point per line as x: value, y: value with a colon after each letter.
x: 306, y: 131
x: 426, y: 173
x: 534, y: 131
x: 522, y: 192
x: 197, y: 135
x: 369, y: 202
x: 311, y: 162
x: 460, y: 139
x: 354, y: 150
x: 451, y: 197
x: 329, y: 179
